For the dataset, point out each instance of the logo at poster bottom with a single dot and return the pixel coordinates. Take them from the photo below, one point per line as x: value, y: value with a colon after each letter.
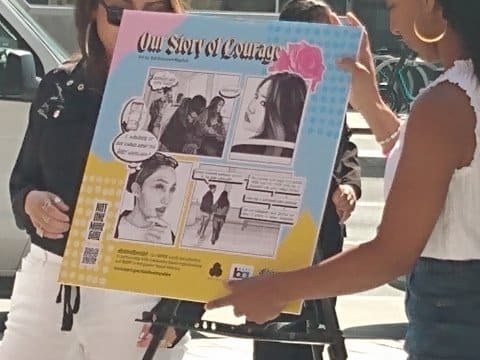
x: 240, y: 272
x: 216, y: 270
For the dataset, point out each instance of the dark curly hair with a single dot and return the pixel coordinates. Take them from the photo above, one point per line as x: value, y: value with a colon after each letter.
x: 464, y: 17
x: 305, y: 11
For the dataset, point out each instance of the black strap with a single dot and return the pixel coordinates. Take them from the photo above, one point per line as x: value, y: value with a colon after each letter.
x: 170, y: 308
x: 68, y: 310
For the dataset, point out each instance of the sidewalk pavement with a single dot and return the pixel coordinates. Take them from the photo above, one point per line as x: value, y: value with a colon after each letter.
x: 373, y: 325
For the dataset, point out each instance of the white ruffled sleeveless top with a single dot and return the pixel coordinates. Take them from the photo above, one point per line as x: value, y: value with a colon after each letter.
x: 456, y: 235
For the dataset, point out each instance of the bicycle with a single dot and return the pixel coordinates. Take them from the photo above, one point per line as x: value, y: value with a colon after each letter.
x: 401, y: 79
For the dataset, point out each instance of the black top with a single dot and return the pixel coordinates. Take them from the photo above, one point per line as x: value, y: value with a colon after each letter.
x: 207, y: 203
x: 56, y: 145
x: 346, y: 171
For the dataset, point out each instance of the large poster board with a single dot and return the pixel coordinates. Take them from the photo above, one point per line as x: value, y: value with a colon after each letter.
x: 212, y: 155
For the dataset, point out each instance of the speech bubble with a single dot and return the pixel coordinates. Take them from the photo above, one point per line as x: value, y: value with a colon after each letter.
x: 229, y: 92
x: 279, y: 216
x: 284, y: 185
x: 163, y: 79
x: 135, y: 146
x: 218, y: 176
x: 132, y: 114
x: 266, y: 198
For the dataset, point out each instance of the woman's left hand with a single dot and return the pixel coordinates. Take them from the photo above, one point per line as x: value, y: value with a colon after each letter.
x: 345, y: 199
x: 146, y: 337
x: 259, y: 298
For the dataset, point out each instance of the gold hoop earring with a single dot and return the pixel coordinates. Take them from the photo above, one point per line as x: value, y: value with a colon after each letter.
x: 87, y: 39
x: 425, y: 39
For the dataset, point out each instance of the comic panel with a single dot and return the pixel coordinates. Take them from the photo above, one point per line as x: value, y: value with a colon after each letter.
x: 152, y: 201
x: 270, y: 118
x: 189, y: 112
x: 240, y: 210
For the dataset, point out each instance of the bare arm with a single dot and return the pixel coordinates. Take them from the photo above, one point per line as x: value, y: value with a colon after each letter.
x: 435, y: 146
x: 364, y: 95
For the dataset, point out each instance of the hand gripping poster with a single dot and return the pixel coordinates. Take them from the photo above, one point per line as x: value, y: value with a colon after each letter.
x: 212, y: 155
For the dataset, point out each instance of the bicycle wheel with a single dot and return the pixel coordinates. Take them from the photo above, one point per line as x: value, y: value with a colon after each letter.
x: 411, y: 81
x: 432, y: 72
x: 390, y: 97
x: 380, y: 58
x: 384, y: 71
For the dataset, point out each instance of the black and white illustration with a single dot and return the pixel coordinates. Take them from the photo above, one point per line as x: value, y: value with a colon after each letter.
x: 132, y: 115
x: 153, y: 200
x: 270, y: 118
x: 240, y: 210
x: 190, y: 112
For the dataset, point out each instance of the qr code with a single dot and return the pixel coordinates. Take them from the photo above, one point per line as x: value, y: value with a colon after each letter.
x: 90, y: 256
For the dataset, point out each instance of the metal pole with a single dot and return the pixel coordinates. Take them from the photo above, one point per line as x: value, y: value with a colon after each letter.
x: 277, y: 6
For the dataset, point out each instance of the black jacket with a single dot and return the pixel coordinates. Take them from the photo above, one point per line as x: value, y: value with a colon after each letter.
x: 56, y: 144
x: 347, y: 167
x: 207, y: 203
x: 346, y: 171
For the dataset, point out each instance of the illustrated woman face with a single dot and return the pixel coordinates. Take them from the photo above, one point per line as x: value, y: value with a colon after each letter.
x: 254, y: 120
x: 154, y: 196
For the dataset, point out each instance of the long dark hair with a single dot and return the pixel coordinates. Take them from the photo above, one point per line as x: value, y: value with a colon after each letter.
x: 96, y: 60
x: 284, y: 104
x: 212, y: 110
x: 464, y: 17
x: 305, y: 11
x: 223, y: 200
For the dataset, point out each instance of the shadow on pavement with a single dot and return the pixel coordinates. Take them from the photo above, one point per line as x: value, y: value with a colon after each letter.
x: 379, y: 331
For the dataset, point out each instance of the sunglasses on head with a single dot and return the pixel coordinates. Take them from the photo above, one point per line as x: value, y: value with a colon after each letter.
x: 115, y: 12
x: 168, y: 160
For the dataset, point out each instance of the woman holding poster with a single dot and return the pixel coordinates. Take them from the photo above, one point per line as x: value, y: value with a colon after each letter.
x: 44, y: 187
x: 429, y: 228
x: 345, y: 190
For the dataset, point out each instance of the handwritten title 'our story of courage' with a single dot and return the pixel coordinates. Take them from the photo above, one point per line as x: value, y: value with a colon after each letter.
x: 226, y: 49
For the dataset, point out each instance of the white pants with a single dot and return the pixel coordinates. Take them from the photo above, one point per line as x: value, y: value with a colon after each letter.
x: 103, y: 329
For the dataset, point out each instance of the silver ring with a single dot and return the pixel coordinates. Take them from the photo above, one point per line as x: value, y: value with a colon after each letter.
x: 57, y: 200
x: 39, y: 232
x: 46, y: 219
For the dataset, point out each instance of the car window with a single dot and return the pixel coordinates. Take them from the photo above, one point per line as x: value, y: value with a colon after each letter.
x: 222, y: 5
x: 10, y: 40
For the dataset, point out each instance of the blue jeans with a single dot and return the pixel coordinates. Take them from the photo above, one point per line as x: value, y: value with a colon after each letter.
x: 443, y: 308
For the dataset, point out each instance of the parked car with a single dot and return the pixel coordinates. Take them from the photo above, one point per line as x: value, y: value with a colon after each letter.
x: 27, y: 52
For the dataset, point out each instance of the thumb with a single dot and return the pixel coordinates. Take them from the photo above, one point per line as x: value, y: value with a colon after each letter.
x: 347, y: 64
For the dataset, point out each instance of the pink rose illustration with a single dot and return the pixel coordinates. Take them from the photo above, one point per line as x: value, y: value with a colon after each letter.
x: 304, y: 59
